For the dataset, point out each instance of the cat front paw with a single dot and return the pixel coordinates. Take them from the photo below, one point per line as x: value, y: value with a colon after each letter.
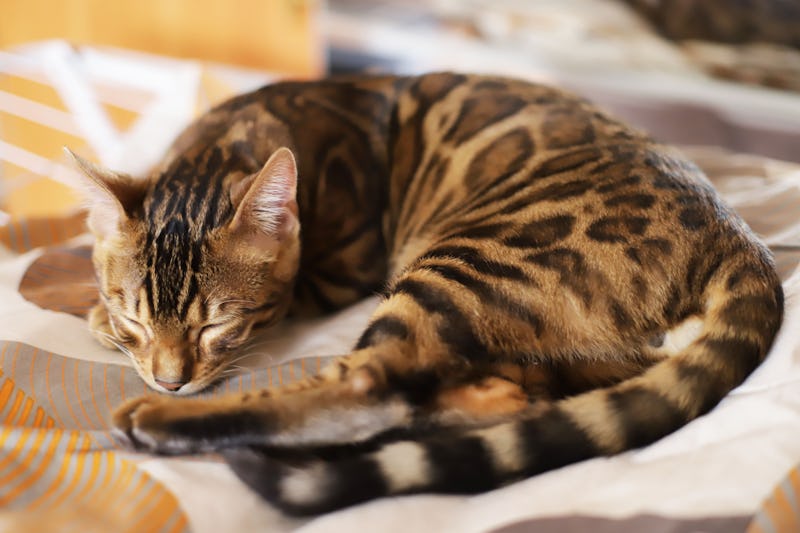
x: 152, y: 424
x: 176, y: 426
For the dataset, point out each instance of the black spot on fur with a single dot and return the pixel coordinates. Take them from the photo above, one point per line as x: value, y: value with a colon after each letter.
x: 452, y: 273
x: 634, y: 254
x: 622, y: 319
x: 556, y: 192
x: 488, y: 294
x: 674, y: 307
x: 617, y: 184
x: 477, y: 261
x: 649, y: 252
x: 659, y: 245
x: 542, y: 232
x: 560, y: 259
x: 566, y: 162
x: 617, y: 229
x: 571, y: 268
x: 563, y: 128
x: 638, y: 200
x: 479, y: 112
x: 505, y: 156
x: 692, y: 218
x: 663, y: 181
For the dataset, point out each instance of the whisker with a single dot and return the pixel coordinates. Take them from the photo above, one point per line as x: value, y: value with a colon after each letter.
x: 116, y: 343
x: 241, y: 357
x: 253, y: 344
x: 250, y: 354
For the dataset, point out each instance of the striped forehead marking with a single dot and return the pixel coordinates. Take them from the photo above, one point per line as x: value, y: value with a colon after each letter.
x: 186, y: 203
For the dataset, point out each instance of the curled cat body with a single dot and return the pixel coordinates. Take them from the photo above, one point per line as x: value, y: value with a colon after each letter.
x: 554, y: 285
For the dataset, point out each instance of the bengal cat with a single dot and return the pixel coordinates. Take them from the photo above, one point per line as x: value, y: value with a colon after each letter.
x: 556, y: 286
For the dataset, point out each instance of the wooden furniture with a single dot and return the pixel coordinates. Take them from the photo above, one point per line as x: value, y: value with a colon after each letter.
x: 278, y: 35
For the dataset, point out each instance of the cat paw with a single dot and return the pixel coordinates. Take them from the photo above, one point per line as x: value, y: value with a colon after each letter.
x: 178, y: 426
x: 162, y: 425
x: 100, y: 327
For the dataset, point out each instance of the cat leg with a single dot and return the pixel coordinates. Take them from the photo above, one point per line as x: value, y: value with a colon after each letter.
x: 317, y: 412
x: 399, y: 375
x: 336, y: 406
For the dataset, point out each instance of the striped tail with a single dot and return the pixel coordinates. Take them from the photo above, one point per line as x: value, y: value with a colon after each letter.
x: 743, y: 312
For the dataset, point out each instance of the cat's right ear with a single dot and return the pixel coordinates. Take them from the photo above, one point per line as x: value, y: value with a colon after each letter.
x: 267, y: 204
x: 109, y: 196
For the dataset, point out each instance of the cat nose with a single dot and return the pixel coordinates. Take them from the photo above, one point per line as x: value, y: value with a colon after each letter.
x: 171, y: 386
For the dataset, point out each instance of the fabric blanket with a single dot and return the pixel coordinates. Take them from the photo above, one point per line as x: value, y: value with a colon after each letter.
x: 61, y: 471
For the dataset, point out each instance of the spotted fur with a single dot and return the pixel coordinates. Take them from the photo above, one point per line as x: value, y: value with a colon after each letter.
x: 556, y: 286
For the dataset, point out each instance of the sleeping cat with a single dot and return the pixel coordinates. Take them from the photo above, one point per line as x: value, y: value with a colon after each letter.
x: 556, y: 285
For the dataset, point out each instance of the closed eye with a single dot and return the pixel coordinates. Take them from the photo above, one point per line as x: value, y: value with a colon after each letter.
x: 262, y: 308
x: 223, y: 336
x: 128, y: 330
x: 132, y: 321
x: 235, y: 306
x: 210, y: 327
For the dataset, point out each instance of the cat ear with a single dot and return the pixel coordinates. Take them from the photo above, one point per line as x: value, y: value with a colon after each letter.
x: 109, y: 196
x: 269, y: 207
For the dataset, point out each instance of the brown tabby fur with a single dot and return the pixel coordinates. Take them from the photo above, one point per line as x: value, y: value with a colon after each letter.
x: 556, y: 285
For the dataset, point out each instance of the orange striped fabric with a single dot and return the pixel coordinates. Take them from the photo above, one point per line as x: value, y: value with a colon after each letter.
x: 49, y: 466
x: 780, y: 513
x: 56, y: 451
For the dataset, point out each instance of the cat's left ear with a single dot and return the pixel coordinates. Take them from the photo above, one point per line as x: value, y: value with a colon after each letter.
x: 110, y: 196
x: 269, y: 207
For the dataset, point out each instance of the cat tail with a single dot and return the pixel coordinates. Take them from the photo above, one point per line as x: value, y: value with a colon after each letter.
x: 743, y: 311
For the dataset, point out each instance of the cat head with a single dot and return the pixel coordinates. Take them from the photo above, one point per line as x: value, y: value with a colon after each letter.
x: 188, y: 265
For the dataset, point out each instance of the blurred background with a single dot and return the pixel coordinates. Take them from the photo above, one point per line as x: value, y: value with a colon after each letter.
x: 117, y: 80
